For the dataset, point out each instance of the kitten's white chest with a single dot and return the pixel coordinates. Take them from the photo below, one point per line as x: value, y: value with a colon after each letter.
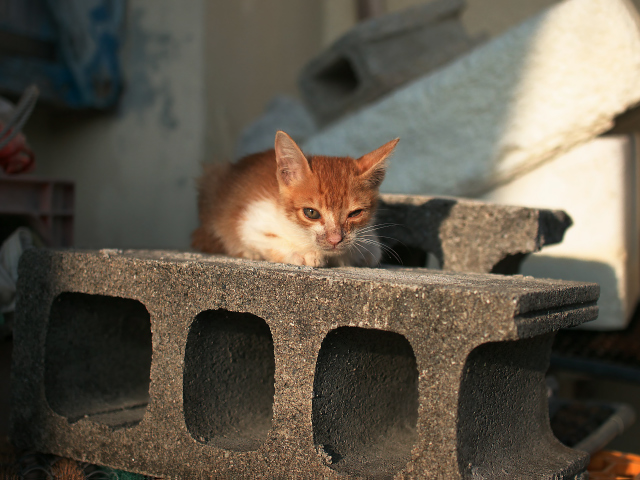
x: 266, y: 233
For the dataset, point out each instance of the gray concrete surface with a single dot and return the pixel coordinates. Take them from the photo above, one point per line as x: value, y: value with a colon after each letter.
x: 466, y: 235
x: 381, y: 54
x: 240, y: 369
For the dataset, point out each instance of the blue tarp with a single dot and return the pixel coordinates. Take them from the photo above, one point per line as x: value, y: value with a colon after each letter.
x: 84, y: 35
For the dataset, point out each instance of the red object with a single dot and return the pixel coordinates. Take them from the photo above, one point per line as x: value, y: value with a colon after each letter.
x: 610, y: 465
x: 16, y: 156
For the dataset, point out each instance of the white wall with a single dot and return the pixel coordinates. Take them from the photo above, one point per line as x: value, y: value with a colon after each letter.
x: 254, y: 50
x: 134, y: 168
x: 196, y: 73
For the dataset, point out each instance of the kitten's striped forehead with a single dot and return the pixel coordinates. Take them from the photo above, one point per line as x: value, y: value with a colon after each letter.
x: 335, y: 180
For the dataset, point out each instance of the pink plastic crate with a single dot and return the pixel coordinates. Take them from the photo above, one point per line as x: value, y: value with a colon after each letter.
x: 46, y: 205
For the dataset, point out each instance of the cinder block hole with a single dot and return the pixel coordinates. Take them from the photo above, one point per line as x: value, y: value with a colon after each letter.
x: 503, y: 415
x: 228, y: 389
x: 98, y: 359
x: 337, y: 80
x: 365, y: 402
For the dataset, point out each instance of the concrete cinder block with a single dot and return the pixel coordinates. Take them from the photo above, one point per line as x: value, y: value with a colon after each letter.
x: 598, y: 184
x: 466, y: 235
x: 381, y: 54
x: 184, y: 365
x: 542, y: 88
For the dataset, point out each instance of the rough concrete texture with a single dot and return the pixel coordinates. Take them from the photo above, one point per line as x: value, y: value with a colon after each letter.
x: 240, y: 369
x: 599, y: 186
x: 378, y: 55
x: 466, y: 235
x: 540, y: 89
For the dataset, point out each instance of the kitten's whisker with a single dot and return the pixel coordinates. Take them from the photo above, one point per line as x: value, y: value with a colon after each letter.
x: 392, y: 224
x: 378, y: 226
x: 379, y: 263
x: 375, y: 235
x: 385, y: 249
x: 384, y: 224
x: 367, y: 250
x: 355, y: 244
x: 381, y: 225
x: 393, y: 254
x: 389, y: 224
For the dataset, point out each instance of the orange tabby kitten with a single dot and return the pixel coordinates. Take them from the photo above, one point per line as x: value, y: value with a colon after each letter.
x: 284, y: 207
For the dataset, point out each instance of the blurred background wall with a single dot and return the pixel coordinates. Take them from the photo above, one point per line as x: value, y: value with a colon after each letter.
x: 134, y: 166
x: 196, y: 72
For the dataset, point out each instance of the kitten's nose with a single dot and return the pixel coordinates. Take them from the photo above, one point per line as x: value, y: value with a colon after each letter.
x: 334, y: 238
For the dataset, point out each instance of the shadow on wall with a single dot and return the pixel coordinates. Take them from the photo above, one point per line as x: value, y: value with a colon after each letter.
x: 562, y: 268
x: 413, y: 247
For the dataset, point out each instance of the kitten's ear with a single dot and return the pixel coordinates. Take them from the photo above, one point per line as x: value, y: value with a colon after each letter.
x: 372, y: 166
x: 292, y: 164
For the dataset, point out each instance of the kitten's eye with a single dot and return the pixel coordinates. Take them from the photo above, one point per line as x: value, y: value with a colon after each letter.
x: 356, y: 213
x: 311, y: 213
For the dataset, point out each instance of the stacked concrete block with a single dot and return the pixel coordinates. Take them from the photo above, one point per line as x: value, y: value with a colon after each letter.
x: 381, y: 54
x: 183, y: 365
x: 598, y: 184
x: 465, y: 235
x: 544, y: 87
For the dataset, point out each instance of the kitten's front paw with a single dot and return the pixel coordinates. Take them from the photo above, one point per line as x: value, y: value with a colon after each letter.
x: 311, y: 259
x: 295, y: 259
